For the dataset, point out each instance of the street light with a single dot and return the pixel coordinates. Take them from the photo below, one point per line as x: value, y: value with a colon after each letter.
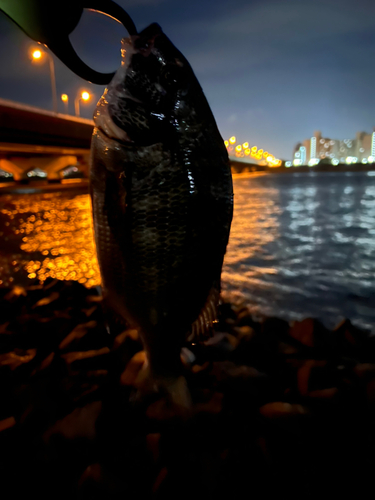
x: 39, y: 55
x: 84, y: 96
x: 65, y: 100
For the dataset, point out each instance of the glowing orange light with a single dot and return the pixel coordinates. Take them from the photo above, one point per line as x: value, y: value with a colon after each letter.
x: 247, y: 151
x: 254, y: 148
x: 64, y: 97
x: 260, y: 151
x: 85, y: 95
x: 232, y: 140
x: 230, y: 148
x: 245, y: 145
x: 265, y: 154
x: 37, y: 54
x: 238, y: 148
x: 226, y: 143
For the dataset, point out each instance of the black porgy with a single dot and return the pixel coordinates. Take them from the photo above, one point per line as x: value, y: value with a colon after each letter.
x: 162, y: 199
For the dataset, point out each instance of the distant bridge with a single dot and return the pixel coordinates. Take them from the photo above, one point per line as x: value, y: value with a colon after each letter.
x: 32, y: 138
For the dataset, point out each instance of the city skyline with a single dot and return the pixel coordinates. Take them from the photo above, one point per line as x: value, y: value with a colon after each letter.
x: 271, y: 73
x: 360, y: 149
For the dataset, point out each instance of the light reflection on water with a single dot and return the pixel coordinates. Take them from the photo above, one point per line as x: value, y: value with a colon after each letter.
x: 47, y: 235
x: 307, y: 247
x: 301, y: 245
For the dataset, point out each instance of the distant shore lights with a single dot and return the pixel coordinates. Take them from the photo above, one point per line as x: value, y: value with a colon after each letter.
x: 244, y: 149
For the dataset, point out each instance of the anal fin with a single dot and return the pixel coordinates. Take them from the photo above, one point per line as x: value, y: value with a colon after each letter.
x: 202, y: 327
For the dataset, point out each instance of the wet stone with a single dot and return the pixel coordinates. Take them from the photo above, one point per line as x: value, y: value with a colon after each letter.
x: 268, y: 399
x: 87, y: 360
x: 220, y: 345
x: 84, y: 336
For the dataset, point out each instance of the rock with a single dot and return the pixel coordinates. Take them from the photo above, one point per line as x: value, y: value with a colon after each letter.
x: 241, y: 383
x: 15, y: 293
x: 226, y: 311
x: 304, y: 375
x: 160, y: 479
x: 287, y: 349
x: 200, y: 368
x: 79, y: 424
x: 220, y: 346
x: 245, y: 318
x: 289, y: 417
x: 126, y: 334
x: 279, y: 409
x: 273, y: 330
x: 312, y: 334
x: 98, y: 483
x: 7, y: 423
x: 77, y: 333
x: 324, y: 394
x: 45, y: 363
x: 4, y: 328
x: 275, y: 327
x: 244, y: 332
x: 82, y: 386
x: 303, y: 331
x: 213, y: 406
x: 365, y: 375
x: 17, y: 358
x: 94, y: 299
x: 153, y: 445
x: 365, y: 371
x: 354, y: 342
x: 164, y: 410
x: 46, y: 301
x: 370, y: 395
x: 88, y: 360
x: 228, y: 371
x: 187, y: 357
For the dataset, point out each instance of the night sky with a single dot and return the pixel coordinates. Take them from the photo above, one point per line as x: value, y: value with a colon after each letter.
x: 272, y: 71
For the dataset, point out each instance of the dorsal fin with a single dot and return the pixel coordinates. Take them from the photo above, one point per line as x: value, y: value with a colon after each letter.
x: 202, y: 327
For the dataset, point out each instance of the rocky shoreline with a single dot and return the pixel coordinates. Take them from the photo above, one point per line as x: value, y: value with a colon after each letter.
x: 278, y: 409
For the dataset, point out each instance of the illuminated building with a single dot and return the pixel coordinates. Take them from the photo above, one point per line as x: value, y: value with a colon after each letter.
x: 323, y: 148
x: 312, y: 147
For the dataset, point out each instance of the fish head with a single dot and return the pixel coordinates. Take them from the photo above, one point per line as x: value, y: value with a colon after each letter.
x: 154, y: 96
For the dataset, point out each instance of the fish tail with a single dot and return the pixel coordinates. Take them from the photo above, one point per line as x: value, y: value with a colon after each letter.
x: 168, y: 383
x: 174, y: 399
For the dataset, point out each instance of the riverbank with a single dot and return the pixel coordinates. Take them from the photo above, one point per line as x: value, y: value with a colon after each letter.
x: 278, y: 409
x: 242, y: 167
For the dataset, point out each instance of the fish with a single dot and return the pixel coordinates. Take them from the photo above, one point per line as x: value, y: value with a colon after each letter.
x: 162, y: 201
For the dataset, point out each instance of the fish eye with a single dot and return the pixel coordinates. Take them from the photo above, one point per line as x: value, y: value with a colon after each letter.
x: 172, y: 76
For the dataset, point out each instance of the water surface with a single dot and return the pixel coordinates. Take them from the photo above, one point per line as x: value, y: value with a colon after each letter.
x: 301, y: 244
